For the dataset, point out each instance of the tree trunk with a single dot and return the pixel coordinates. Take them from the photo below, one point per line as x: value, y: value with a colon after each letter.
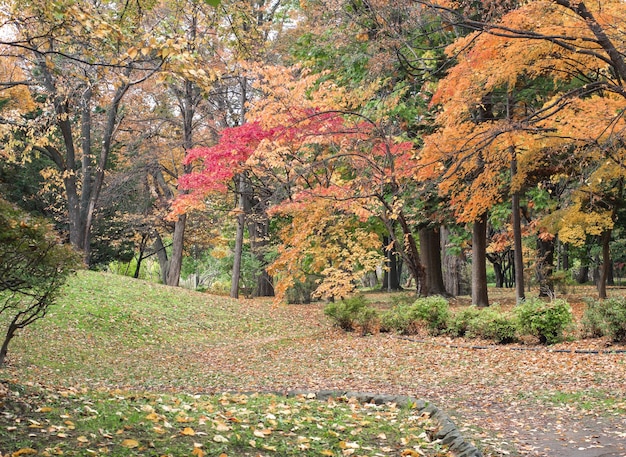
x: 142, y: 249
x: 582, y: 276
x: 479, y: 263
x: 606, y: 260
x: 238, y: 252
x: 545, y: 265
x: 5, y: 344
x: 240, y: 188
x: 391, y: 276
x: 498, y: 271
x: 176, y: 260
x: 518, y: 253
x: 258, y: 229
x: 161, y: 253
x: 430, y: 254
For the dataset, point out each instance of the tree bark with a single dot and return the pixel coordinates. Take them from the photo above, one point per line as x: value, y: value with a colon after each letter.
x: 606, y: 261
x: 518, y: 253
x: 479, y: 263
x: 545, y: 265
x: 258, y: 229
x: 176, y: 259
x: 582, y: 276
x: 161, y: 253
x: 5, y: 344
x: 391, y: 276
x: 430, y: 250
x: 237, y: 255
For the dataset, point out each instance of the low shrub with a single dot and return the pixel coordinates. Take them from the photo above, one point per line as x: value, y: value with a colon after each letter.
x: 434, y: 312
x: 398, y: 319
x: 494, y: 324
x: 431, y: 312
x: 488, y: 323
x: 544, y: 320
x: 606, y: 318
x: 353, y: 313
x: 461, y: 320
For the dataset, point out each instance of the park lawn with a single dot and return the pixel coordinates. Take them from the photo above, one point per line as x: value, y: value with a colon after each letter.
x: 124, y: 346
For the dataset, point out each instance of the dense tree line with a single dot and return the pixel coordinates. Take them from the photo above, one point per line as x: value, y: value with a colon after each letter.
x: 302, y: 146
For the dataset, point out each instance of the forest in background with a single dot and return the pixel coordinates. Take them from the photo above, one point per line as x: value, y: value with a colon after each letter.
x: 305, y: 149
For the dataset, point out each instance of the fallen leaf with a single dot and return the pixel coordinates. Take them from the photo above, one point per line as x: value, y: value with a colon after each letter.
x: 220, y: 439
x: 410, y: 453
x: 130, y: 444
x: 154, y: 417
x: 188, y: 431
x: 222, y: 427
x: 24, y: 451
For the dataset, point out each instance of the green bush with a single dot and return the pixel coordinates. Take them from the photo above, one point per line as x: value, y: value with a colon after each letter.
x: 432, y: 312
x: 606, y: 318
x: 545, y: 320
x: 353, y: 313
x: 489, y: 323
x: 461, y: 321
x: 34, y: 266
x: 494, y: 324
x: 398, y: 319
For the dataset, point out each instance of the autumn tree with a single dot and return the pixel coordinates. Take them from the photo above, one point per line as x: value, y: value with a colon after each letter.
x: 79, y: 63
x: 539, y: 89
x: 401, y: 44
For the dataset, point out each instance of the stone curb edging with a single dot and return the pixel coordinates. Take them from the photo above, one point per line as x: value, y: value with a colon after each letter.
x: 447, y: 431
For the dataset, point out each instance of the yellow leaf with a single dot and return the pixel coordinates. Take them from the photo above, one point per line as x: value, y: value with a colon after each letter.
x: 130, y: 444
x: 154, y: 417
x: 45, y: 409
x: 327, y: 453
x: 220, y: 439
x: 262, y: 433
x: 188, y: 431
x: 198, y: 452
x: 82, y: 439
x: 24, y: 451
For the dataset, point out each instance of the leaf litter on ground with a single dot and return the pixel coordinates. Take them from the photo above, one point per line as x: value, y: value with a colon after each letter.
x: 81, y: 422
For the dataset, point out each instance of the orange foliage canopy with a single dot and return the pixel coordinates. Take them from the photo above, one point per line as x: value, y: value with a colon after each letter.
x: 543, y: 85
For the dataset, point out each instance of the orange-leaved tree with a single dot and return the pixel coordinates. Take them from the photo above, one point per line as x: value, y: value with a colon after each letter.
x: 535, y: 95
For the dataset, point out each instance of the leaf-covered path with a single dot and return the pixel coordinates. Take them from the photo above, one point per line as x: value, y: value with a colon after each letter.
x: 533, y: 402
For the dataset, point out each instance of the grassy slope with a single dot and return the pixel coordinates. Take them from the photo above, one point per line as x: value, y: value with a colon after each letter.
x: 113, y: 330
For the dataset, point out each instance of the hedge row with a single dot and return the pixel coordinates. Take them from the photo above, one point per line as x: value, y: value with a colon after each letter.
x: 548, y: 321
